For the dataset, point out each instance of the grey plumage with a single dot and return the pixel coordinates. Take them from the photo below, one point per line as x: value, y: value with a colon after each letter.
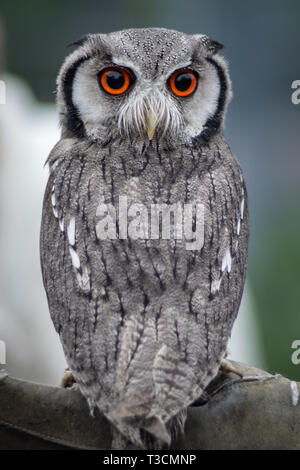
x: 144, y: 323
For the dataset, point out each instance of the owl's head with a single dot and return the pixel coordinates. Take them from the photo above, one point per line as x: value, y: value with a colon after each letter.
x: 144, y: 84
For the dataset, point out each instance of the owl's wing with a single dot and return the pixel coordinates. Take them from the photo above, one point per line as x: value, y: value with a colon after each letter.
x: 211, y: 281
x: 64, y: 257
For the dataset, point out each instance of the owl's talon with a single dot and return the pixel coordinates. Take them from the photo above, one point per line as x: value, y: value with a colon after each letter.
x: 68, y: 380
x: 227, y: 368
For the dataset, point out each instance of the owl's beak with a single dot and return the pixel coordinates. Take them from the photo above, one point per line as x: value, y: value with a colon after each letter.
x: 151, y: 122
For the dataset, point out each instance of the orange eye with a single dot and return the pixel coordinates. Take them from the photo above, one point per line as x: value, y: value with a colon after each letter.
x: 183, y: 82
x: 115, y: 80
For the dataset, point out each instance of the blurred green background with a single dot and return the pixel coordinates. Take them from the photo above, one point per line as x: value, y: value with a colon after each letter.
x: 262, y: 45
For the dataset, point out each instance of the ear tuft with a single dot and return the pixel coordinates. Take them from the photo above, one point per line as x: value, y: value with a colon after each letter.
x: 79, y: 42
x: 210, y: 45
x: 214, y: 46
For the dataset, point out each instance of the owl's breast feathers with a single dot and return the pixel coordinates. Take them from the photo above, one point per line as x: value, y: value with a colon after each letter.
x: 144, y: 322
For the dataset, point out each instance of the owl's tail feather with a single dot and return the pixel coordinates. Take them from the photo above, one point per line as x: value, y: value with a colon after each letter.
x: 157, y: 428
x: 125, y: 432
x: 130, y: 420
x: 122, y: 442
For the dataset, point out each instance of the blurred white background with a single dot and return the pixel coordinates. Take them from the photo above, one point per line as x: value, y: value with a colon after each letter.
x: 28, y: 132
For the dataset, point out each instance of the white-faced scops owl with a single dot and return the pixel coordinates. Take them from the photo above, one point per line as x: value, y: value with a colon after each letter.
x: 145, y: 226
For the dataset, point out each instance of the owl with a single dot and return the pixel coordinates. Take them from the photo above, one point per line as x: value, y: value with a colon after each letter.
x: 144, y: 227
